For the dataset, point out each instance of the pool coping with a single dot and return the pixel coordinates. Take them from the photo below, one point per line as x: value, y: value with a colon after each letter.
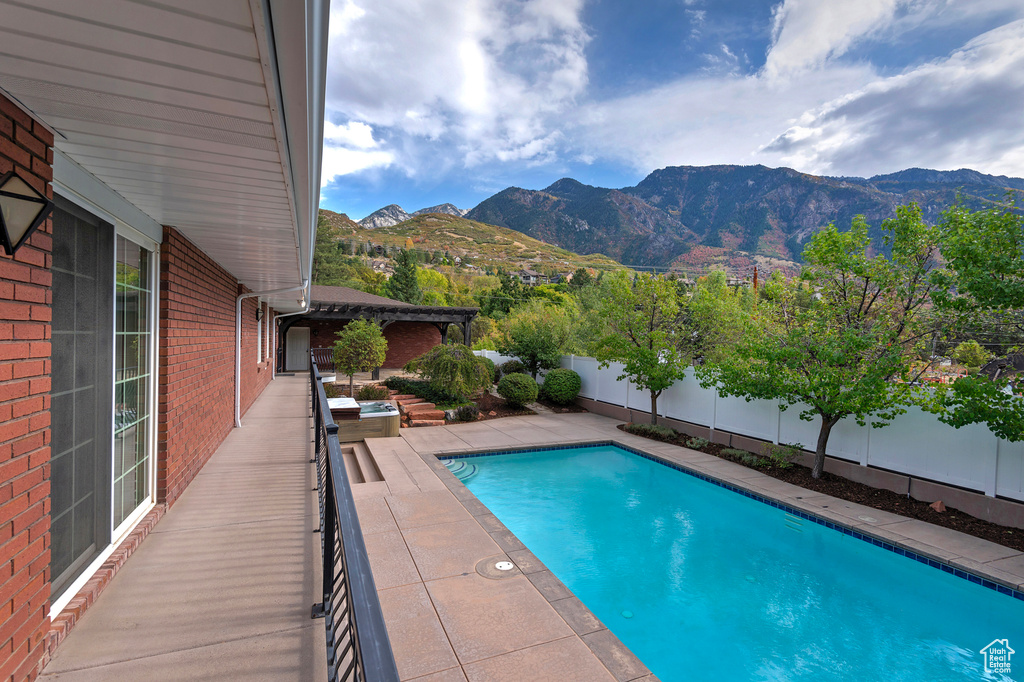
x: 901, y: 546
x: 621, y: 662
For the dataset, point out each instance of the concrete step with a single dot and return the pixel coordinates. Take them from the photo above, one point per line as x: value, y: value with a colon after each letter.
x: 367, y: 465
x: 355, y: 474
x: 427, y: 422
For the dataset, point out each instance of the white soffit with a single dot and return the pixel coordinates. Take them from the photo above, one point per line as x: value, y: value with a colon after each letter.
x: 184, y: 108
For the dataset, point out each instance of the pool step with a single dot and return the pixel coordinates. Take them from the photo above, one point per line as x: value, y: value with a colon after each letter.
x: 462, y: 469
x: 359, y: 464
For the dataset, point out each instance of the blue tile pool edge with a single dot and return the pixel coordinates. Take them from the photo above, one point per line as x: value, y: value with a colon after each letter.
x: 839, y: 527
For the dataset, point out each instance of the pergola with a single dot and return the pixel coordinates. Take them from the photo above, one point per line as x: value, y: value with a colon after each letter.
x: 341, y: 304
x: 440, y: 316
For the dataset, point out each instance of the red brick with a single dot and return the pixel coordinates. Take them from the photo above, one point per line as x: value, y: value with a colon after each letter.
x: 27, y: 140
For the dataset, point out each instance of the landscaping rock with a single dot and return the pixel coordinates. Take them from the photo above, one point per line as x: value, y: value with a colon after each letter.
x: 420, y: 415
x: 403, y: 396
x: 426, y: 422
x: 409, y: 401
x: 938, y: 506
x: 419, y: 407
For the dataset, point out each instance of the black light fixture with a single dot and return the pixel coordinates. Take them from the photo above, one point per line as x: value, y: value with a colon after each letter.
x: 22, y: 210
x: 259, y: 312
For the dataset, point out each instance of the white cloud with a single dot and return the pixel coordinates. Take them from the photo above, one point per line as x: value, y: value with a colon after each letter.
x: 807, y: 33
x: 961, y: 111
x: 350, y: 148
x: 700, y: 121
x: 487, y: 78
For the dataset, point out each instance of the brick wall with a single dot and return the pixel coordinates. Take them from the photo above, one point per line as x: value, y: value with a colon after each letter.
x: 25, y: 412
x: 406, y: 340
x: 197, y: 361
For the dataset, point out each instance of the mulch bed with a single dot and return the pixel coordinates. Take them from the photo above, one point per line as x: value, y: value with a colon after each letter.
x: 572, y: 408
x: 490, y: 403
x: 876, y: 498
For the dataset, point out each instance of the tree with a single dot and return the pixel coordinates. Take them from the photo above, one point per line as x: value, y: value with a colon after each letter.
x: 537, y: 333
x: 403, y: 285
x: 847, y: 350
x: 983, y: 282
x: 970, y: 354
x: 434, y: 285
x: 581, y: 278
x: 653, y: 333
x: 499, y: 302
x: 453, y: 369
x: 360, y: 346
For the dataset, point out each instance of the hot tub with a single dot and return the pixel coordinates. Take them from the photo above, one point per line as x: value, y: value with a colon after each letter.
x: 356, y: 421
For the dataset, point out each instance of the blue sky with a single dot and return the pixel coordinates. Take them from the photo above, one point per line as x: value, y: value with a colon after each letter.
x: 434, y: 101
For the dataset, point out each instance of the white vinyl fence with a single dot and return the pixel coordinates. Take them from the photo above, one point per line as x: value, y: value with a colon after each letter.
x: 915, y: 443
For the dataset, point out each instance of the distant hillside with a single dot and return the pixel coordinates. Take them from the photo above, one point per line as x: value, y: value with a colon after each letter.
x: 694, y: 218
x: 476, y: 243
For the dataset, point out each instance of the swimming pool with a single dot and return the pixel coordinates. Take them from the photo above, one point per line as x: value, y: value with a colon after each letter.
x: 703, y: 583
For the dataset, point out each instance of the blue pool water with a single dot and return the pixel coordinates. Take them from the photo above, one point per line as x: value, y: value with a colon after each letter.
x: 703, y: 583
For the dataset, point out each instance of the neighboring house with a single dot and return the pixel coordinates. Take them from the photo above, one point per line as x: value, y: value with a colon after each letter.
x: 531, y: 277
x: 410, y: 330
x: 180, y: 142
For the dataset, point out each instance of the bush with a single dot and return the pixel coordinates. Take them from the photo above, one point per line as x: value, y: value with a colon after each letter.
x: 744, y: 457
x: 467, y: 413
x: 561, y: 386
x: 782, y: 455
x: 697, y: 443
x: 396, y: 383
x: 372, y: 392
x: 491, y: 368
x: 517, y: 389
x: 512, y: 367
x: 452, y: 369
x: 331, y: 391
x: 652, y: 431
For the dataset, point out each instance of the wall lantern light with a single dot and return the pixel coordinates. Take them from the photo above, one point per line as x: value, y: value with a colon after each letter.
x: 259, y: 313
x: 22, y: 210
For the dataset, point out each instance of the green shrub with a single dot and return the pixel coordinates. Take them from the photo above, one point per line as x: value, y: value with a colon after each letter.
x: 331, y: 391
x: 782, y: 455
x: 561, y: 386
x: 512, y: 367
x: 697, y: 443
x: 452, y: 369
x: 652, y: 431
x: 372, y: 392
x: 396, y: 383
x: 467, y: 413
x: 744, y: 457
x: 518, y: 389
x: 492, y: 369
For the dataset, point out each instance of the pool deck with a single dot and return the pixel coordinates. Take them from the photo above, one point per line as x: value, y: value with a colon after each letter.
x: 450, y: 618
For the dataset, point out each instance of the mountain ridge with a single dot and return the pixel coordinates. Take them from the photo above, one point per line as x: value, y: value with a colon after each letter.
x: 698, y: 217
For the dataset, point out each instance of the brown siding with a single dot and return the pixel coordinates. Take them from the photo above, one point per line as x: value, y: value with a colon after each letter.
x: 25, y: 300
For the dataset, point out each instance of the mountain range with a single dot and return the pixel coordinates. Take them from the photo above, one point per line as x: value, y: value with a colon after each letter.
x: 393, y: 214
x: 693, y: 218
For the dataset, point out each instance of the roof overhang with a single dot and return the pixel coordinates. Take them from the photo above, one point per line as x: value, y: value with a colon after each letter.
x: 389, y: 313
x: 203, y: 116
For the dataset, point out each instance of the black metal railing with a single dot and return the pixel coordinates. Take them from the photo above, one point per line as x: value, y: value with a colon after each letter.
x: 358, y: 648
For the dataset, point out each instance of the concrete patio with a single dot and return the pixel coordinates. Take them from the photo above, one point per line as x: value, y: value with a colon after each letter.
x: 243, y: 562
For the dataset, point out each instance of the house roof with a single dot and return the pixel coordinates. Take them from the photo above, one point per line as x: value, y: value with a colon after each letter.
x: 203, y: 116
x: 345, y: 303
x: 345, y: 295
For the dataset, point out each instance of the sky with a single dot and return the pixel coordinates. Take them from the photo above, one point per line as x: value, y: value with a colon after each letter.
x: 435, y: 101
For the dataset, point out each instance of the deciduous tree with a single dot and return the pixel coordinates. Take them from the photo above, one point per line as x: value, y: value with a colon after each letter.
x: 360, y: 346
x: 849, y: 350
